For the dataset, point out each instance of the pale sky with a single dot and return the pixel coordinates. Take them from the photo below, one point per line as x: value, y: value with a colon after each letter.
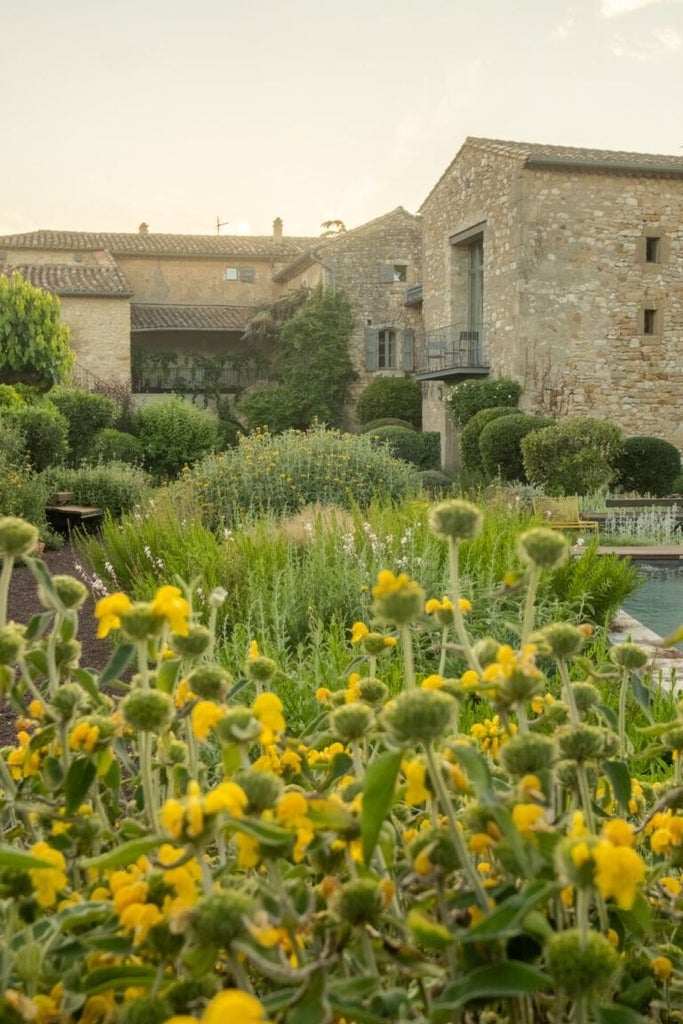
x: 178, y: 113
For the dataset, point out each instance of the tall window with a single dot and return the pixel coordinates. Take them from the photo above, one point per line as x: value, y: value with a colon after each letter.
x: 475, y: 284
x: 386, y: 350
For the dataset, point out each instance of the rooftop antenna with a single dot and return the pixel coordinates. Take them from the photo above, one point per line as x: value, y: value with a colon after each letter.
x: 220, y: 224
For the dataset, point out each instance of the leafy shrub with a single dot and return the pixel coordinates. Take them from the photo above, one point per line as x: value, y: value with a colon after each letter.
x: 677, y: 485
x: 273, y: 408
x: 23, y: 493
x: 384, y: 421
x: 293, y: 469
x: 45, y: 432
x: 174, y: 434
x: 10, y: 397
x: 572, y: 457
x: 469, y: 396
x: 229, y: 429
x: 421, y: 449
x: 499, y: 444
x: 393, y: 397
x: 115, y: 487
x: 648, y: 465
x: 470, y: 454
x: 596, y: 585
x: 86, y: 413
x: 110, y: 445
x: 435, y: 482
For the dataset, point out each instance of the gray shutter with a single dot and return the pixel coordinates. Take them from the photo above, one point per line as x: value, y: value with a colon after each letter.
x: 371, y: 344
x: 408, y: 350
x: 246, y: 274
x: 386, y: 273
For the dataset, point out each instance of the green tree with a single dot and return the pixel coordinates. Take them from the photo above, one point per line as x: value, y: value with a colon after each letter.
x: 34, y: 343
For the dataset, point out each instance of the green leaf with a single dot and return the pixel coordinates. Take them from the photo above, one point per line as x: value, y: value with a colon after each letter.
x: 117, y: 664
x: 168, y: 674
x: 642, y: 694
x: 37, y: 626
x: 313, y: 1004
x: 19, y: 860
x: 507, y: 979
x: 378, y: 795
x: 267, y: 834
x: 79, y: 778
x: 618, y: 1015
x: 88, y: 680
x: 231, y: 757
x: 125, y: 976
x: 620, y: 780
x: 477, y: 770
x: 125, y: 854
x: 673, y: 639
x: 83, y: 913
x: 328, y: 814
x: 507, y: 919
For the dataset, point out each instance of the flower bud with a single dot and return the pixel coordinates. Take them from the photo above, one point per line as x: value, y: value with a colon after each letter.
x: 218, y: 919
x: 562, y: 639
x: 673, y: 739
x: 372, y: 691
x: 581, y: 965
x: 140, y: 621
x: 436, y: 846
x: 147, y: 710
x: 17, y: 537
x: 419, y: 716
x: 351, y: 722
x: 582, y: 742
x: 12, y: 643
x: 210, y: 682
x: 238, y: 725
x: 629, y: 656
x: 456, y: 520
x: 527, y: 753
x: 195, y: 643
x: 485, y: 650
x: 359, y: 902
x: 67, y: 654
x: 397, y: 599
x: 586, y: 696
x: 67, y: 700
x: 567, y: 774
x: 543, y: 548
x: 70, y: 592
x: 263, y: 789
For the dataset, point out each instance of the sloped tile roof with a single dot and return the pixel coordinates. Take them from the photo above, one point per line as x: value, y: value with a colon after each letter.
x: 145, y: 317
x: 72, y: 279
x: 575, y: 155
x: 161, y: 245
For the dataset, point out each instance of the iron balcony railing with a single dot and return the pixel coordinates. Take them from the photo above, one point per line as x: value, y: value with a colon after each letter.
x: 459, y: 346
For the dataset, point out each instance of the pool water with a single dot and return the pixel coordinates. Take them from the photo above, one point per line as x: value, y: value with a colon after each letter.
x: 658, y: 604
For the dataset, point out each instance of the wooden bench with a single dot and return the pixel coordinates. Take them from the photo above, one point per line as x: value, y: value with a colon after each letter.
x: 563, y: 514
x: 64, y: 518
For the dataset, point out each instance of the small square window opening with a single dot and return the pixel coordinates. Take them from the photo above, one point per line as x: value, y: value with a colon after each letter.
x: 231, y: 274
x: 649, y: 321
x: 652, y: 249
x: 400, y: 273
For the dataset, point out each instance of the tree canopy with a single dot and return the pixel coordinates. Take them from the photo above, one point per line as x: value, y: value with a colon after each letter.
x: 34, y: 343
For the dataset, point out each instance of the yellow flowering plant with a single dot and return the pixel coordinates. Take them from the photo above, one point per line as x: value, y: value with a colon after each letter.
x: 174, y: 852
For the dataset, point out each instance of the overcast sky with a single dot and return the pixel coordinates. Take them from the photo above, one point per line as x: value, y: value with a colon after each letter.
x: 178, y: 113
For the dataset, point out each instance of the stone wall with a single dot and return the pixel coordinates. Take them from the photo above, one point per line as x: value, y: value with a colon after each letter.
x: 100, y: 335
x: 164, y: 280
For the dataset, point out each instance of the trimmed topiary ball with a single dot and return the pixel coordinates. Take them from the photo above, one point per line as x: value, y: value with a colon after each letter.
x: 648, y: 465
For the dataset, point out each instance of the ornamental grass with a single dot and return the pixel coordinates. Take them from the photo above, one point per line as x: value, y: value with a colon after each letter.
x: 173, y: 851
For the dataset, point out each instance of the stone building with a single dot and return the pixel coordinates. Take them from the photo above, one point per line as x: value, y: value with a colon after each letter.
x: 563, y: 269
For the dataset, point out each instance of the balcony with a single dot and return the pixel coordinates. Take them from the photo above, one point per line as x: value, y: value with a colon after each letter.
x: 414, y: 295
x: 456, y: 351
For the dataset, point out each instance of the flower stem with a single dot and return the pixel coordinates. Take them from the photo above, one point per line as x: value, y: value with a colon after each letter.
x: 530, y: 603
x: 5, y: 576
x: 458, y: 619
x: 408, y: 662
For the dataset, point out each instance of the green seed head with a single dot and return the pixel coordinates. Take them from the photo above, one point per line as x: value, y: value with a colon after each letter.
x: 543, y: 548
x: 67, y: 701
x: 456, y: 520
x: 485, y: 650
x: 260, y: 669
x: 17, y: 537
x: 579, y: 966
x: 581, y: 742
x: 195, y: 643
x: 70, y: 592
x: 562, y: 639
x: 373, y: 691
x: 238, y: 725
x: 527, y: 753
x: 440, y: 849
x: 263, y: 789
x: 359, y: 902
x: 210, y: 682
x: 219, y: 919
x: 586, y: 696
x: 147, y: 710
x: 419, y: 716
x: 12, y: 643
x: 140, y: 622
x: 567, y: 774
x: 629, y: 656
x: 351, y: 721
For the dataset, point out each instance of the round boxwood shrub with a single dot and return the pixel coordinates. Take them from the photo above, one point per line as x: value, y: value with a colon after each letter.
x: 573, y: 456
x: 174, y: 434
x: 469, y: 396
x: 470, y: 455
x: 435, y: 482
x: 499, y: 444
x: 648, y: 465
x: 110, y: 445
x: 86, y: 413
x: 45, y: 432
x: 395, y: 397
x: 421, y: 449
x: 384, y: 421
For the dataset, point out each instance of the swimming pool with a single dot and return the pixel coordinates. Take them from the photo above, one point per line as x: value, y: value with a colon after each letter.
x: 658, y: 604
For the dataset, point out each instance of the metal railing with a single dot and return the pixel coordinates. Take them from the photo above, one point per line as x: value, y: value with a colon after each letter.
x: 459, y: 346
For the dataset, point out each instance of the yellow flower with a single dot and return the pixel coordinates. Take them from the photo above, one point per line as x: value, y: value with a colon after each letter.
x: 205, y: 714
x: 671, y: 885
x: 254, y: 651
x: 108, y: 612
x: 170, y: 603
x: 172, y: 816
x: 661, y: 967
x: 183, y: 693
x: 358, y: 631
x: 227, y: 796
x: 268, y: 709
x: 248, y: 851
x: 415, y: 773
x: 84, y: 737
x: 618, y: 872
x: 525, y: 817
x: 433, y: 682
x: 139, y: 918
x: 619, y: 832
x: 48, y: 882
x: 291, y: 809
x: 469, y: 678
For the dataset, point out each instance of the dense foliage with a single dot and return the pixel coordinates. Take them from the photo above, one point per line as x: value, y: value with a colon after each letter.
x: 391, y: 398
x: 573, y: 456
x: 174, y: 434
x: 86, y: 413
x: 648, y: 465
x: 115, y: 486
x: 469, y: 396
x: 34, y: 343
x: 44, y: 429
x: 421, y: 449
x: 470, y: 453
x: 500, y: 444
x: 111, y: 445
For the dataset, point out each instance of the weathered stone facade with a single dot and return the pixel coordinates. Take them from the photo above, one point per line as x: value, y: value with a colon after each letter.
x: 582, y: 278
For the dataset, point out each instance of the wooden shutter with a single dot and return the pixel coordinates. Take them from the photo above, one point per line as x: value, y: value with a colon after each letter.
x: 386, y: 273
x: 408, y: 350
x: 247, y: 275
x: 371, y: 344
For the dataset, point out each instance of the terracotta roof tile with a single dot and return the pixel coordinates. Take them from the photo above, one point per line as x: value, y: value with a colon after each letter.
x: 161, y: 245
x: 573, y: 154
x: 146, y: 317
x: 72, y: 279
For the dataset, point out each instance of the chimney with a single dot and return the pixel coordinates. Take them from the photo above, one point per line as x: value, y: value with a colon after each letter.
x: 277, y: 229
x: 143, y: 229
